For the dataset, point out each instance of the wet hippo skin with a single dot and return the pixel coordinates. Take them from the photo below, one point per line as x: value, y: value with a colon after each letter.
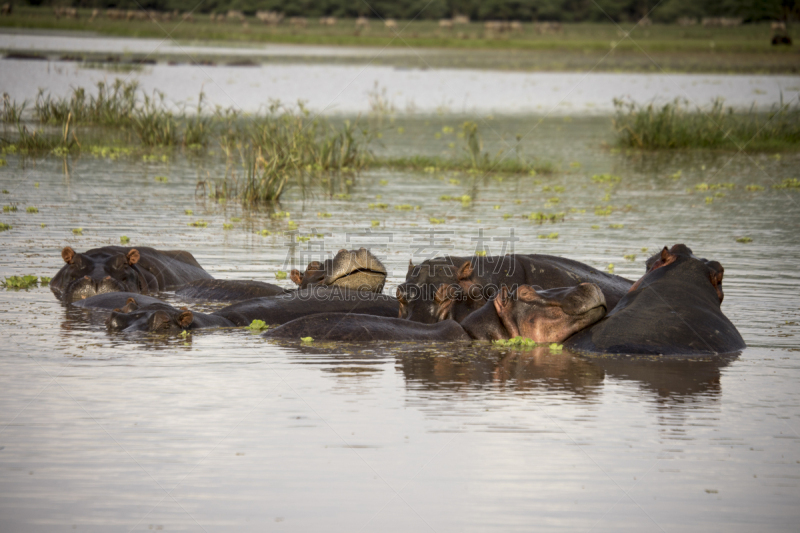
x: 674, y: 309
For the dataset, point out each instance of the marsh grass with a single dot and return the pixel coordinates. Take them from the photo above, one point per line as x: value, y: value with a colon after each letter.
x: 12, y: 111
x: 676, y: 126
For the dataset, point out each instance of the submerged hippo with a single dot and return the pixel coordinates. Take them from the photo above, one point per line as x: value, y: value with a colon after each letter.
x: 354, y: 269
x: 116, y: 268
x: 541, y: 315
x: 479, y: 278
x: 115, y: 300
x: 674, y: 309
x: 271, y: 310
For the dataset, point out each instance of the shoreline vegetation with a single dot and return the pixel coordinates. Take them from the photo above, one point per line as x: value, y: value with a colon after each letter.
x: 267, y: 152
x: 264, y: 153
x: 475, y: 44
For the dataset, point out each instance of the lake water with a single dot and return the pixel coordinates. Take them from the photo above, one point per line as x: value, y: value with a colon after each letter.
x: 226, y: 431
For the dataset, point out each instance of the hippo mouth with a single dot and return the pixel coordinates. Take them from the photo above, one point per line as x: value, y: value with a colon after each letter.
x: 86, y: 287
x: 359, y: 277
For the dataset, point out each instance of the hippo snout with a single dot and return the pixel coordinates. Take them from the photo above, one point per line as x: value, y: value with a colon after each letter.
x: 584, y: 298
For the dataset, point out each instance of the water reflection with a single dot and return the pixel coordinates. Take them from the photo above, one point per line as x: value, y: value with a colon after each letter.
x: 469, y: 367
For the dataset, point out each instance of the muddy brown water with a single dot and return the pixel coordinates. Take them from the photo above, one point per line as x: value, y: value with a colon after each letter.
x: 225, y: 431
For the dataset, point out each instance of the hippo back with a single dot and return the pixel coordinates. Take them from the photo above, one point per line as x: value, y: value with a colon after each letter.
x: 228, y: 290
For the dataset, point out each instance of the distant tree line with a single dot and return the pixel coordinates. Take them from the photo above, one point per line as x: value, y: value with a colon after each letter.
x: 523, y: 10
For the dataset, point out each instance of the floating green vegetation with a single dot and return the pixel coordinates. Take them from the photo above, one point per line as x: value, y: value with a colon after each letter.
x: 188, y: 212
x: 5, y: 191
x: 676, y: 126
x: 31, y: 209
x: 77, y: 231
x: 307, y: 339
x: 546, y: 217
x: 523, y: 343
x: 5, y: 227
x: 303, y: 238
x: 709, y: 199
x: 280, y: 214
x: 3, y: 163
x: 378, y: 206
x: 384, y: 182
x: 44, y: 225
x: 630, y: 257
x: 754, y: 188
x: 280, y: 274
x: 342, y: 196
x: 610, y: 268
x: 608, y: 179
x: 200, y: 223
x: 788, y: 183
x: 124, y: 239
x: 20, y: 282
x: 44, y: 280
x: 603, y: 211
x: 481, y: 253
x: 227, y: 226
x: 744, y: 240
x: 433, y: 220
x: 616, y: 226
x: 292, y: 224
x: 644, y: 249
x: 257, y: 325
x: 677, y: 175
x: 161, y: 179
x: 235, y: 219
x: 506, y: 216
x: 376, y: 223
x: 9, y: 209
x: 595, y: 226
x: 554, y: 200
x: 322, y: 214
x: 404, y: 207
x: 551, y: 236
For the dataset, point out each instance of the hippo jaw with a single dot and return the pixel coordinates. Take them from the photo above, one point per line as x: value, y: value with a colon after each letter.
x: 83, y: 288
x: 154, y: 318
x: 356, y: 269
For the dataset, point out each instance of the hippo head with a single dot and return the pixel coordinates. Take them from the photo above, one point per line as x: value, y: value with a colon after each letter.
x: 668, y: 256
x: 155, y: 318
x: 86, y: 275
x: 551, y: 315
x: 352, y: 269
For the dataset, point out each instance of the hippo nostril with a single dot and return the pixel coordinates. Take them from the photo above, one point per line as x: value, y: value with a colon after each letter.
x: 86, y: 277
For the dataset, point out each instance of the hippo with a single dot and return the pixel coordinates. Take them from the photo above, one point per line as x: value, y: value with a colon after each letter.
x: 140, y: 270
x: 540, y: 315
x: 271, y: 310
x: 161, y: 318
x: 480, y: 277
x: 353, y: 269
x: 674, y: 309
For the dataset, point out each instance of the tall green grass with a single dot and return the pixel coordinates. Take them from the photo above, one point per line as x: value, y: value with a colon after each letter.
x: 676, y: 126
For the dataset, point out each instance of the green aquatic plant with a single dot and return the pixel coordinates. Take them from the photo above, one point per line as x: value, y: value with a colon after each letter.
x: 257, y: 325
x: 616, y: 226
x: 610, y: 268
x: 744, y: 240
x: 555, y: 348
x: 322, y: 214
x: 20, y: 282
x: 676, y: 126
x: 200, y: 223
x: 3, y: 163
x: 788, y: 183
x: 44, y: 280
x: 608, y: 179
x: 378, y: 206
x: 161, y: 179
x: 404, y: 207
x: 307, y: 339
x: 280, y: 214
x: 5, y: 227
x: 546, y: 217
x: 709, y: 199
x: 630, y: 257
x: 481, y: 253
x: 124, y: 239
x: 280, y: 274
x: 31, y: 209
x: 235, y: 219
x: 77, y: 231
x: 376, y: 223
x: 433, y: 220
x: 603, y: 211
x: 264, y: 233
x: 12, y: 111
x: 188, y: 212
x: 227, y: 226
x: 551, y: 236
x: 754, y: 188
x: 9, y: 209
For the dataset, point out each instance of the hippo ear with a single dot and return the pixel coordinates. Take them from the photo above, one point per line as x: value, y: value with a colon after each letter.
x: 296, y: 276
x: 715, y: 275
x: 185, y: 319
x: 503, y: 305
x: 527, y: 293
x: 410, y: 265
x: 464, y: 271
x: 68, y: 255
x: 130, y: 305
x: 665, y: 255
x: 132, y: 256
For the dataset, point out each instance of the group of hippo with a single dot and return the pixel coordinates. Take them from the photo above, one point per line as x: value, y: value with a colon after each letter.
x: 673, y: 309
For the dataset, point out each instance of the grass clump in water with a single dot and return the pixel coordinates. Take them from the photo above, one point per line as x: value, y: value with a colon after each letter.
x: 124, y: 239
x: 744, y: 240
x: 280, y: 274
x: 675, y: 126
x: 257, y: 325
x: 20, y: 282
x: 788, y: 183
x: 5, y: 227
